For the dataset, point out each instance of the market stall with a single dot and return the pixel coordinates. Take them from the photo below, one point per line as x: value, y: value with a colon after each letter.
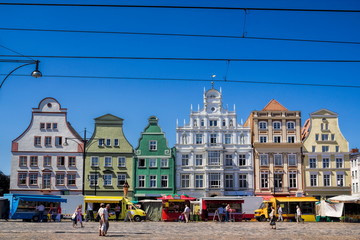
x: 351, y: 211
x: 210, y: 208
x: 173, y: 205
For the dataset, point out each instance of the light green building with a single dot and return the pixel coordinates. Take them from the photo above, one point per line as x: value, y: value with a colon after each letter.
x: 109, y: 159
x: 154, y: 163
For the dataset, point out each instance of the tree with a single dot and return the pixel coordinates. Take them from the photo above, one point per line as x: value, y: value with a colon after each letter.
x: 4, y: 183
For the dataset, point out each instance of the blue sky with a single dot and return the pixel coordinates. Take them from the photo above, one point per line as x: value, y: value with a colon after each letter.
x: 135, y: 100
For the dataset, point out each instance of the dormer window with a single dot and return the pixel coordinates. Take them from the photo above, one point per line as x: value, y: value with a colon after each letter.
x: 152, y: 145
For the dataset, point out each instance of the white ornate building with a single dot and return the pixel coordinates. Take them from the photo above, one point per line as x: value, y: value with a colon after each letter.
x: 40, y: 163
x: 213, y: 152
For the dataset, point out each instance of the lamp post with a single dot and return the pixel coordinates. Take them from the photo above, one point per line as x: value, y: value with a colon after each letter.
x: 36, y: 73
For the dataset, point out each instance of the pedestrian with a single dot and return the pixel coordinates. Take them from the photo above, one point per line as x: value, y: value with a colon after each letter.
x: 187, y: 213
x: 220, y: 212
x: 78, y: 216
x: 58, y: 216
x: 227, y: 212
x: 272, y: 218
x: 41, y: 210
x: 89, y: 212
x: 298, y: 214
x: 280, y: 214
x: 106, y: 218
x: 117, y: 211
x: 102, y: 219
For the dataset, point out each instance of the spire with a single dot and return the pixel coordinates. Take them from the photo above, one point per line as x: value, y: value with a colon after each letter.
x: 177, y: 122
x: 234, y: 108
x: 191, y: 107
x: 198, y: 107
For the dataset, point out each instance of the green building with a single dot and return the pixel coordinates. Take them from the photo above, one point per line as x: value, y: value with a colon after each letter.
x: 154, y: 163
x: 109, y: 159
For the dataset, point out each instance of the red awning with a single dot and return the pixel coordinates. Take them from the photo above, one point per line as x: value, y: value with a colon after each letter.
x: 177, y: 196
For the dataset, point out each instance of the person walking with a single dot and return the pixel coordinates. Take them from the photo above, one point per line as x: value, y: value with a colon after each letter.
x: 41, y: 210
x: 272, y: 218
x: 280, y: 218
x: 187, y: 213
x: 78, y: 213
x: 106, y: 218
x: 227, y: 212
x: 102, y: 223
x: 298, y: 214
x: 89, y: 212
x: 117, y: 211
x: 220, y: 212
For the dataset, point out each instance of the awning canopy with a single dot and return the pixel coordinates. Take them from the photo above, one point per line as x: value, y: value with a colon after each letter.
x: 345, y: 198
x: 103, y: 199
x: 42, y: 199
x: 176, y: 196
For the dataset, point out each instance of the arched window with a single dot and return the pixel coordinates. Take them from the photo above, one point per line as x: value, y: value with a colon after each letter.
x: 277, y: 125
x: 202, y: 123
x: 291, y: 125
x: 262, y: 125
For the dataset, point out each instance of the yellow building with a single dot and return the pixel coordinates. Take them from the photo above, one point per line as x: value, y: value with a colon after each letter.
x: 326, y: 156
x: 276, y: 137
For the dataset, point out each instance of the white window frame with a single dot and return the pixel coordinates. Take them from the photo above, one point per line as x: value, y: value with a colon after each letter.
x: 327, y: 180
x: 152, y: 163
x: 340, y: 180
x: 199, y: 138
x: 292, y: 179
x: 121, y: 178
x: 263, y: 138
x: 243, y: 181
x: 164, y: 163
x: 278, y: 160
x: 213, y: 138
x: 228, y: 139
x: 101, y: 142
x: 339, y: 161
x: 142, y: 160
x: 277, y: 125
x: 108, y: 163
x: 185, y: 180
x: 242, y: 160
x: 214, y: 158
x: 291, y: 138
x: 60, y: 179
x: 71, y: 179
x: 141, y: 181
x: 121, y: 162
x: 277, y: 139
x: 107, y: 178
x: 264, y: 159
x: 229, y: 181
x: 294, y: 159
x: 94, y: 159
x: 33, y: 178
x: 264, y: 179
x: 326, y: 164
x: 116, y: 142
x: 164, y: 179
x: 199, y: 180
x: 108, y: 142
x: 58, y: 141
x: 229, y: 159
x: 290, y: 125
x: 199, y: 160
x: 185, y: 159
x: 313, y: 180
x: 152, y: 145
x: 214, y: 180
x: 312, y: 162
x: 263, y: 125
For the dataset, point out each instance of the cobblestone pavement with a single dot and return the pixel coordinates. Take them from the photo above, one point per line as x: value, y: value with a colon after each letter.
x: 174, y: 230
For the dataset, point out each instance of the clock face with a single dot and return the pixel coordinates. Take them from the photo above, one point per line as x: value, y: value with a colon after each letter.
x: 213, y: 109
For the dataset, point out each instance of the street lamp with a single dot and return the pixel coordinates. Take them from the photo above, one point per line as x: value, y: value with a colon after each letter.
x: 36, y: 73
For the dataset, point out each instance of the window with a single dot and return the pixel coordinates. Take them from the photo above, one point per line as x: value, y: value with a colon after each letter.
x: 262, y: 125
x: 46, y: 181
x: 324, y: 137
x: 164, y: 163
x: 332, y: 137
x: 48, y: 126
x: 185, y: 180
x: 291, y: 139
x: 37, y: 141
x: 55, y: 126
x: 141, y: 181
x: 42, y: 126
x: 121, y: 162
x: 22, y: 178
x: 336, y: 148
x: 141, y: 163
x: 326, y: 180
x: 164, y: 181
x: 202, y: 123
x: 229, y: 180
x: 152, y: 145
x: 264, y: 179
x: 312, y: 162
x: 199, y: 139
x: 242, y: 160
x: 94, y: 161
x: 185, y: 159
x: 108, y: 142
x: 47, y: 141
x: 121, y: 178
x: 152, y: 163
x: 263, y: 139
x: 292, y: 160
x: 277, y: 125
x: 72, y: 162
x: 153, y: 181
x: 33, y: 179
x: 47, y: 161
x: 58, y: 141
x: 227, y: 138
x: 60, y: 179
x: 101, y: 142
x: 214, y: 157
x: 243, y: 181
x: 116, y: 142
x: 213, y: 138
x: 228, y: 159
x: 313, y: 180
x: 93, y: 179
x: 224, y: 123
x: 316, y: 137
x: 60, y: 161
x: 213, y: 123
x: 292, y: 179
x: 71, y: 179
x: 278, y: 160
x: 107, y: 180
x: 313, y: 148
x: 340, y: 180
x: 291, y: 125
x: 33, y: 161
x: 198, y: 159
x: 108, y: 162
x: 277, y: 139
x: 339, y: 163
x: 264, y: 161
x: 214, y: 180
x: 199, y: 180
x: 324, y: 126
x: 325, y: 148
x: 326, y: 162
x: 23, y: 161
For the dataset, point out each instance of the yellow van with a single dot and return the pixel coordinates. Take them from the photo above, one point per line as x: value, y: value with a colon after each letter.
x: 288, y: 205
x: 124, y: 203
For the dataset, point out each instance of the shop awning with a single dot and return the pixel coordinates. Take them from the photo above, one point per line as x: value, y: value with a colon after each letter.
x: 102, y: 199
x: 177, y: 196
x: 42, y: 198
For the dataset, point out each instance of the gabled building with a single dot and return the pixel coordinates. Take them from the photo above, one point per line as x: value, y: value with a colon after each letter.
x: 109, y: 159
x: 355, y: 171
x: 40, y: 163
x: 277, y: 150
x: 326, y: 156
x: 154, y: 163
x: 213, y: 152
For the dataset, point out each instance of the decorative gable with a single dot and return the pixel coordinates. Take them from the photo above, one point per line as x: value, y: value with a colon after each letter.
x: 324, y: 113
x: 274, y: 105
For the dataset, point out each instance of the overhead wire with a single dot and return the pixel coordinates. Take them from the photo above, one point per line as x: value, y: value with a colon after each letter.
x: 195, y: 80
